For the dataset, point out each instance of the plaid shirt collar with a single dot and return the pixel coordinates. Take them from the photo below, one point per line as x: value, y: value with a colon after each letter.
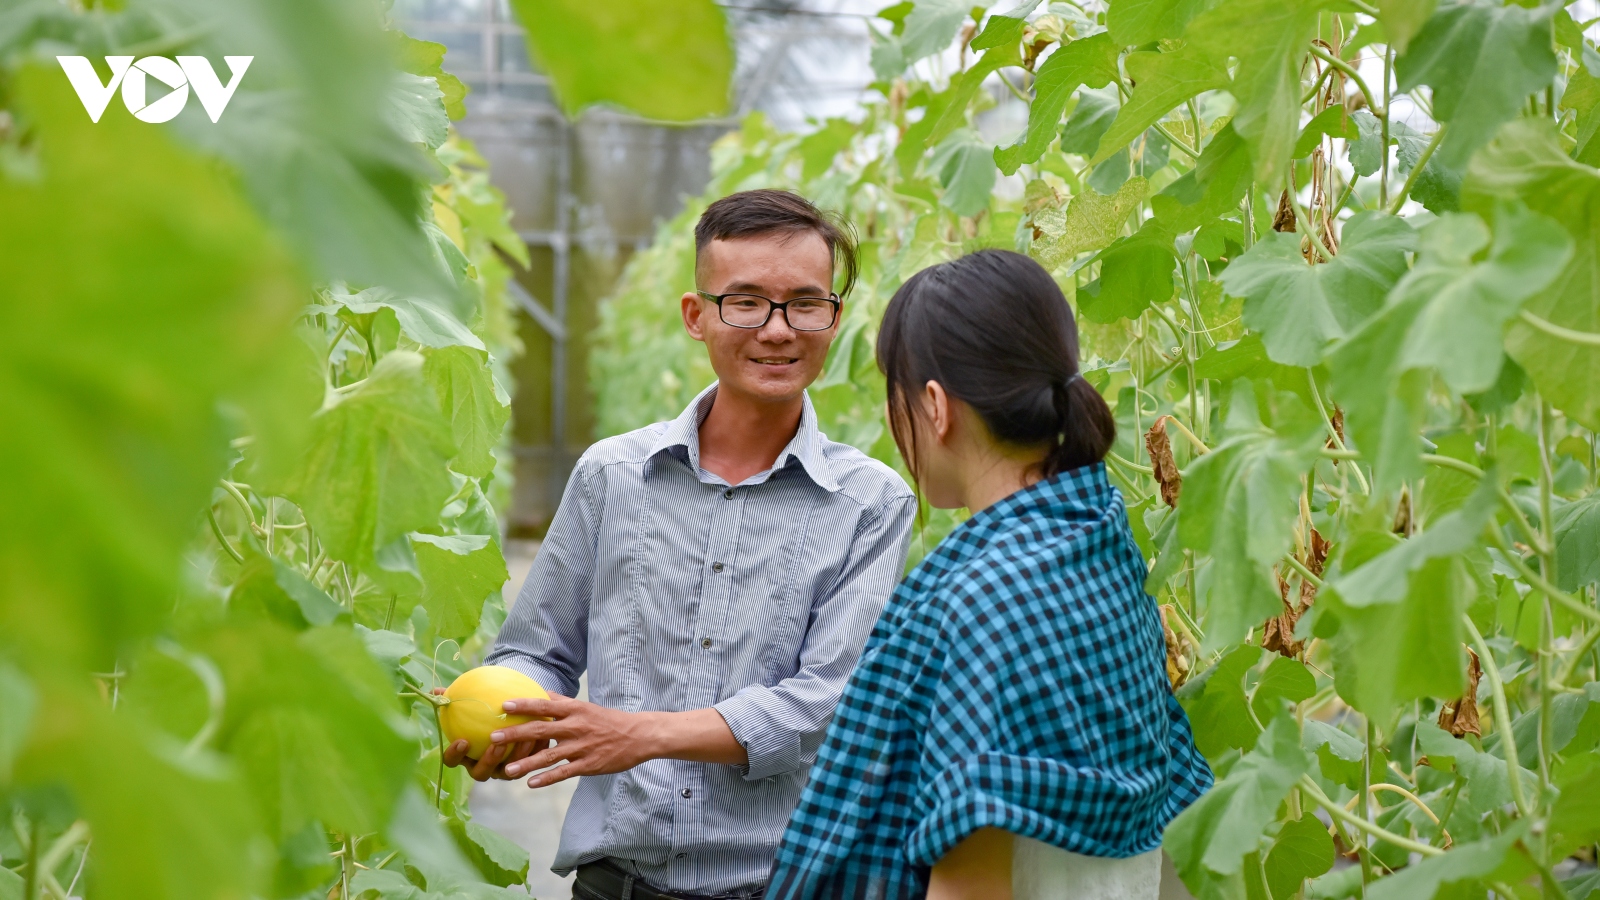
x: 682, y: 439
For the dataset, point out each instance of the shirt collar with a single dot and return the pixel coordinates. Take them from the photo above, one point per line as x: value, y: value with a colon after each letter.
x: 805, y: 447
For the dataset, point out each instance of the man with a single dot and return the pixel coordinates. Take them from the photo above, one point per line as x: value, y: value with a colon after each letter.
x: 716, y: 575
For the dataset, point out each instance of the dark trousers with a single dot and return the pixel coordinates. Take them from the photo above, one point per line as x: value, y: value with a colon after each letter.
x: 605, y: 880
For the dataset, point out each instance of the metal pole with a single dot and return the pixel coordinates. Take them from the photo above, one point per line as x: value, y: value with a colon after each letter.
x: 561, y: 247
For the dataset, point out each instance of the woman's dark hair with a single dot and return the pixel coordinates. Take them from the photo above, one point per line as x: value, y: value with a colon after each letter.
x: 764, y: 211
x: 995, y: 331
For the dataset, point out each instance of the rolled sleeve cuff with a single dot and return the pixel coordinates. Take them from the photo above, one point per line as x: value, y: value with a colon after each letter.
x: 773, y: 748
x: 548, y: 678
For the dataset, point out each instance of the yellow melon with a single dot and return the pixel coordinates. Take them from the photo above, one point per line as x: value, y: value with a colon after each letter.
x: 477, y: 705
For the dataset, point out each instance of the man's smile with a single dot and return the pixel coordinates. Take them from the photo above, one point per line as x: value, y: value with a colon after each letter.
x: 775, y: 360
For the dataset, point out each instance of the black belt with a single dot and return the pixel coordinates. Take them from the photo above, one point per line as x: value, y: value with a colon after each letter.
x: 605, y: 880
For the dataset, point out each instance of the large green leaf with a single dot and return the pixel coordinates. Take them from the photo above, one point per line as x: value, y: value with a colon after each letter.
x: 1301, y: 308
x: 1135, y: 272
x: 267, y: 586
x: 1577, y: 532
x: 931, y: 27
x: 1303, y: 849
x: 1446, y: 315
x: 458, y: 572
x: 18, y: 701
x: 965, y: 164
x: 376, y: 466
x: 496, y: 858
x: 1090, y: 222
x: 1482, y: 60
x: 1217, y: 706
x: 1161, y: 81
x: 1212, y: 188
x: 1475, y: 862
x: 1216, y: 833
x: 1269, y: 40
x: 1134, y: 23
x: 314, y: 749
x: 1092, y: 62
x: 1526, y: 162
x: 139, y: 289
x: 477, y: 407
x: 1239, y: 505
x: 947, y: 111
x: 613, y: 53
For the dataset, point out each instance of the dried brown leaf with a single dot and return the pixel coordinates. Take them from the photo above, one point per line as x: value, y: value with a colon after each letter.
x: 1166, y: 468
x: 1283, y: 219
x: 1460, y: 716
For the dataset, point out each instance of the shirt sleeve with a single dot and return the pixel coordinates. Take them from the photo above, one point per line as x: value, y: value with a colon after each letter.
x: 781, y: 726
x: 546, y: 632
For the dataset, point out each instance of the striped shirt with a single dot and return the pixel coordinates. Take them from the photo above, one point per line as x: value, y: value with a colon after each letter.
x: 1016, y: 680
x: 677, y: 591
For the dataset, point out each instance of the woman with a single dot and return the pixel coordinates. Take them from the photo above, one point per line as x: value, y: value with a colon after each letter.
x: 1009, y: 731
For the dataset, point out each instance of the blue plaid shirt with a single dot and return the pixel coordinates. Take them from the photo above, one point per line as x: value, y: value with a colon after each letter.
x: 1016, y: 679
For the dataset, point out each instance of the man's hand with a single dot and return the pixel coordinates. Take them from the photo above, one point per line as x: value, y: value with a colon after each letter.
x: 595, y: 740
x: 492, y: 765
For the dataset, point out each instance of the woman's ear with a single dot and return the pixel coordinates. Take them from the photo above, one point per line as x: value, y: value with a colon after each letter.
x: 940, y: 414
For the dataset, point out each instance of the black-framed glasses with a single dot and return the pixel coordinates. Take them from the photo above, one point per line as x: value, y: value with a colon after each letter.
x: 753, y: 310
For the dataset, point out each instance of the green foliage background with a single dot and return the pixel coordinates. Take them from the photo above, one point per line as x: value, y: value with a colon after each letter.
x: 253, y: 381
x: 1386, y: 432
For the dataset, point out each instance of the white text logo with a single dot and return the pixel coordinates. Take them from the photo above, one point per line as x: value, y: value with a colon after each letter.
x: 187, y: 72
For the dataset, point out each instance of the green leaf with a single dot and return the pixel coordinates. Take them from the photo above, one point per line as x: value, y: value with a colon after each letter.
x: 1240, y: 502
x: 1482, y: 60
x: 1301, y: 308
x: 1473, y: 863
x: 417, y: 830
x: 1526, y: 162
x: 267, y: 587
x: 1577, y: 532
x: 1575, y: 817
x: 1285, y: 680
x: 1089, y: 120
x: 1487, y: 783
x: 1091, y: 62
x: 1303, y: 849
x: 313, y: 748
x: 818, y: 149
x: 18, y: 701
x: 1335, y: 121
x: 416, y: 110
x: 1583, y: 97
x: 1402, y: 19
x: 1212, y: 188
x: 612, y: 53
x: 1091, y: 221
x: 1134, y: 23
x: 1445, y: 315
x: 1218, y: 830
x: 1268, y: 38
x: 1004, y: 28
x: 12, y: 886
x: 458, y: 572
x: 140, y: 291
x: 932, y: 26
x: 428, y: 322
x: 1339, y: 754
x: 1367, y: 150
x: 965, y: 165
x: 497, y: 859
x: 427, y: 58
x: 376, y: 466
x: 947, y: 111
x: 1387, y: 577
x: 477, y: 407
x: 1135, y: 272
x: 1217, y: 707
x: 1161, y: 81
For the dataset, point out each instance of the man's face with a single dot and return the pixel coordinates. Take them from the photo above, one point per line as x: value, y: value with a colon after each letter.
x: 773, y: 363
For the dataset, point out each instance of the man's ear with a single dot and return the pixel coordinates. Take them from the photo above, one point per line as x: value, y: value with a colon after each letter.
x: 694, y: 316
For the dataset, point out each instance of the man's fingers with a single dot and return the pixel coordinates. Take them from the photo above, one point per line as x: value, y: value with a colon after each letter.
x: 555, y: 707
x: 485, y: 767
x: 455, y: 753
x: 549, y: 756
x: 531, y: 731
x: 551, y: 776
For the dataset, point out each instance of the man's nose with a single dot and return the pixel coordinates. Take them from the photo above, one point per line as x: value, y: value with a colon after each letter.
x: 777, y: 329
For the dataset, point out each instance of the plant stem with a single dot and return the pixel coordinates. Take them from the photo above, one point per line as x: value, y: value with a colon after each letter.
x: 1576, y: 660
x: 1304, y: 221
x: 216, y: 530
x: 1129, y: 464
x: 1538, y: 581
x: 1502, y: 715
x: 1333, y: 433
x: 1586, y: 338
x: 1300, y: 568
x: 1198, y: 444
x: 1339, y: 813
x: 1353, y: 75
x: 1176, y: 142
x: 1383, y: 182
x: 238, y: 496
x: 1416, y: 170
x: 1015, y: 92
x: 1364, y: 797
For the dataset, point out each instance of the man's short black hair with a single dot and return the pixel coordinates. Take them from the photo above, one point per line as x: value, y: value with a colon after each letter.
x: 749, y: 213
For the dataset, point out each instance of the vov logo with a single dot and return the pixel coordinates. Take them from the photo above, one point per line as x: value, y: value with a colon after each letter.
x: 188, y: 71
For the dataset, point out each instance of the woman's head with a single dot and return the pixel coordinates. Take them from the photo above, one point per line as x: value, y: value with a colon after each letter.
x: 993, y: 331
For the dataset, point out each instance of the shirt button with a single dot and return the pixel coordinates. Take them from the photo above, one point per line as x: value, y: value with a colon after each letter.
x: 686, y: 793
x: 727, y: 494
x: 706, y: 643
x: 716, y: 567
x: 683, y: 856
